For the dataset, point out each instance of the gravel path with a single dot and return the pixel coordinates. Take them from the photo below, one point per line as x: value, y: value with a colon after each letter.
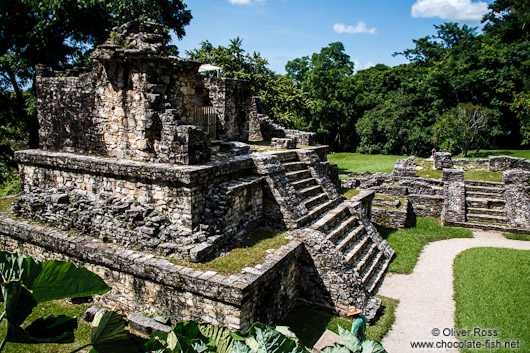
x: 426, y: 295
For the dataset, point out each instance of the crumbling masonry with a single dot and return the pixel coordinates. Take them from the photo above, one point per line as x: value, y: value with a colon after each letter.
x: 131, y: 175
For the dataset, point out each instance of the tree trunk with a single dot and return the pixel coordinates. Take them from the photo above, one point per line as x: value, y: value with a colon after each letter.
x: 31, y: 120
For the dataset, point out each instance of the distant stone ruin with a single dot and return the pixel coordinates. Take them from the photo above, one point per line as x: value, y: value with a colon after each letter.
x: 457, y: 202
x: 144, y: 162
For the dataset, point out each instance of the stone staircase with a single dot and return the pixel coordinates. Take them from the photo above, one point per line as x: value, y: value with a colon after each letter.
x: 362, y: 249
x: 344, y: 229
x: 485, y: 203
x: 313, y: 196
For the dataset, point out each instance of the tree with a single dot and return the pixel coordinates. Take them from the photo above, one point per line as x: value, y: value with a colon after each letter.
x: 521, y: 106
x: 58, y: 33
x: 462, y: 127
x: 236, y: 62
x: 325, y: 78
x: 509, y: 20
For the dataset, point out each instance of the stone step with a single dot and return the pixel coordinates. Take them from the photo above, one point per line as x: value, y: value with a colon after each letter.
x: 487, y: 219
x: 298, y: 175
x: 301, y: 184
x: 481, y: 195
x: 350, y: 238
x: 354, y: 252
x: 316, y: 212
x: 485, y: 190
x: 315, y: 201
x: 294, y: 166
x: 379, y: 273
x: 486, y: 211
x: 484, y: 203
x: 363, y: 260
x: 310, y: 191
x: 371, y: 265
x: 330, y: 220
x: 490, y: 184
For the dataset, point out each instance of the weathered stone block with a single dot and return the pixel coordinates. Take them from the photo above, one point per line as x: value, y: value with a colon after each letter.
x: 442, y: 160
x: 283, y: 143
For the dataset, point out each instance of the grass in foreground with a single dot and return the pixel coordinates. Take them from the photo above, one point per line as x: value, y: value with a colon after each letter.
x: 409, y: 242
x: 524, y: 237
x: 252, y: 251
x: 82, y: 334
x: 358, y: 162
x: 309, y: 324
x: 492, y: 292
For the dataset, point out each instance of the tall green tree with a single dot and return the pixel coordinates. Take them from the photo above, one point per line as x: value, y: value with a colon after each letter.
x: 325, y: 78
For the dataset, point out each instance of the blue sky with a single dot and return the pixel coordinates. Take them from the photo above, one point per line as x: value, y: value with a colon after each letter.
x: 282, y: 30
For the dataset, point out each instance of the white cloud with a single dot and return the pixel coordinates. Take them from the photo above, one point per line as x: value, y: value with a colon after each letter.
x: 456, y: 10
x: 358, y: 66
x: 359, y: 28
x: 246, y: 2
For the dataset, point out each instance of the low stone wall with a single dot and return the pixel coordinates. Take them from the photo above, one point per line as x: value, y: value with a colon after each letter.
x: 141, y: 282
x: 392, y: 217
x: 502, y: 163
x: 426, y: 205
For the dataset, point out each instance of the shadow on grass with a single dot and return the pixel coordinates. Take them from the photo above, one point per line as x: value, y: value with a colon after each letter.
x: 309, y: 324
x: 486, y: 154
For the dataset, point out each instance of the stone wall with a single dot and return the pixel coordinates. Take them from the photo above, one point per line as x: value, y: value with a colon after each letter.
x: 502, y: 163
x: 232, y: 100
x: 454, y: 209
x: 263, y: 128
x: 143, y: 205
x: 144, y: 283
x: 517, y: 197
x: 427, y: 205
x: 390, y: 216
x: 442, y: 160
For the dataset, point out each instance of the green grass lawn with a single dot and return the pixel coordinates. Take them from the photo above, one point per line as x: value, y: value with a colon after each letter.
x: 309, y: 324
x: 409, y: 242
x: 524, y: 237
x: 484, y: 154
x: 82, y: 334
x: 492, y: 291
x: 358, y: 162
x: 252, y: 251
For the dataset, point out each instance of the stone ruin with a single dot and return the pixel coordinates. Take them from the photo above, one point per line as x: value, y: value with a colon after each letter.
x: 131, y: 181
x: 457, y: 202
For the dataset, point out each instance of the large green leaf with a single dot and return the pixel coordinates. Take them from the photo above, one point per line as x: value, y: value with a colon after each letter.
x: 50, y: 280
x: 271, y: 341
x: 336, y: 348
x: 59, y: 280
x: 349, y: 340
x: 18, y: 302
x: 241, y: 347
x: 109, y: 334
x: 220, y: 336
x: 372, y: 347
